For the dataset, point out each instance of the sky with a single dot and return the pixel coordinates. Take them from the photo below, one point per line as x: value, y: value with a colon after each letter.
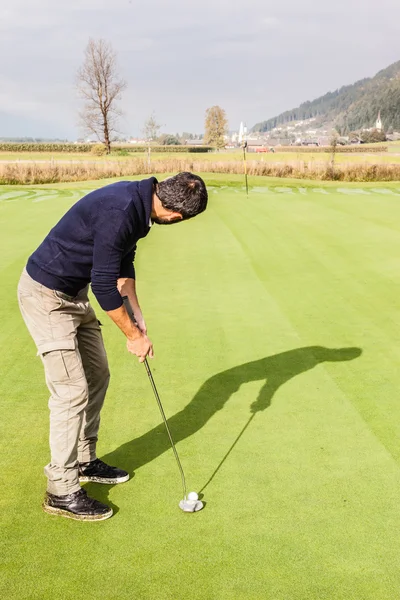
x: 254, y: 58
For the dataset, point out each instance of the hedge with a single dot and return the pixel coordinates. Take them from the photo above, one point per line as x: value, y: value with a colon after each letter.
x: 16, y: 147
x: 133, y: 148
x: 360, y: 148
x: 68, y: 148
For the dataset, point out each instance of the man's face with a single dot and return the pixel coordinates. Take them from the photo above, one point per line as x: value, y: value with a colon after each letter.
x: 161, y: 215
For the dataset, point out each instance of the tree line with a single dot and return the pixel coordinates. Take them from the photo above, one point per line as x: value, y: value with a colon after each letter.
x: 100, y: 87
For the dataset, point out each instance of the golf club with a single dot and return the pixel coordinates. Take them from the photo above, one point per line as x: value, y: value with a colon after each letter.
x: 190, y: 502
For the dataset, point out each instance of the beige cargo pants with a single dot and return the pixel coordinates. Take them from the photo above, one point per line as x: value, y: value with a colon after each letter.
x: 69, y: 342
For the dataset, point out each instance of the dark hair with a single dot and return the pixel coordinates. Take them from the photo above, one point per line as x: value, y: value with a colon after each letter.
x: 184, y: 193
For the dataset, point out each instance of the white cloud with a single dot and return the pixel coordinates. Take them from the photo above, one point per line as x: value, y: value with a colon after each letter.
x: 270, y: 22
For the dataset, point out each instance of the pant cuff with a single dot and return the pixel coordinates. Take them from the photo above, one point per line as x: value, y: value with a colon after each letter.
x: 86, y: 456
x: 62, y: 490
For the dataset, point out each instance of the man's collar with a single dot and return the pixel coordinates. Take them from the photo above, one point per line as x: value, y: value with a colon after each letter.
x: 146, y: 190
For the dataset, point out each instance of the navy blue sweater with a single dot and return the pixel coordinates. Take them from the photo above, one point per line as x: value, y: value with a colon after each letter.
x: 95, y: 241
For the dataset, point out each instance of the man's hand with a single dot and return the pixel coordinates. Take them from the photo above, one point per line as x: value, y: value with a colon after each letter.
x: 141, y: 347
x: 138, y: 343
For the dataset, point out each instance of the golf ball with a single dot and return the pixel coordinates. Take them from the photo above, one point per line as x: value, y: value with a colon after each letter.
x: 193, y: 496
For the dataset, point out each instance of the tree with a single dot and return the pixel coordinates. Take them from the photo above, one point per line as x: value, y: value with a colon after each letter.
x: 187, y: 136
x: 216, y: 126
x: 151, y: 128
x: 167, y: 139
x: 99, y: 85
x: 374, y: 136
x: 333, y: 148
x: 150, y: 131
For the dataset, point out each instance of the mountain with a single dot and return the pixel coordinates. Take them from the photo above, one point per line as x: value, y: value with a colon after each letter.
x: 350, y: 108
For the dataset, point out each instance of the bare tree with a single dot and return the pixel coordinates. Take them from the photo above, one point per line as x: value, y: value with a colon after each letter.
x: 333, y: 149
x: 150, y: 131
x: 151, y: 128
x: 100, y: 86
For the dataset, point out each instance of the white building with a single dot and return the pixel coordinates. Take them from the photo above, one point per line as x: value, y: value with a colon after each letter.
x: 242, y: 132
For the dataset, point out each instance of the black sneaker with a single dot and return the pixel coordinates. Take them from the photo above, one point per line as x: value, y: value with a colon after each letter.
x: 76, y: 506
x: 99, y: 472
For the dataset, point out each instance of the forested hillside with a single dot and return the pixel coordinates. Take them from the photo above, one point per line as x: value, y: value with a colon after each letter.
x: 350, y: 108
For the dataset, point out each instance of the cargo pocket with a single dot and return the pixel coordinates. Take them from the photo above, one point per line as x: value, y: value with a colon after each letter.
x: 62, y: 360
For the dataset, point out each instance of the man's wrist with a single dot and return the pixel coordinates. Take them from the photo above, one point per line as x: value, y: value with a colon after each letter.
x: 135, y: 334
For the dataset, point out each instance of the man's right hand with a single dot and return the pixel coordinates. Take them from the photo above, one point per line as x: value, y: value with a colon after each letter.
x: 138, y: 343
x: 141, y: 347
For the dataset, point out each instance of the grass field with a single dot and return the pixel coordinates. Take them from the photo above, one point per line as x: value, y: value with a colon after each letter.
x: 284, y: 306
x: 372, y: 158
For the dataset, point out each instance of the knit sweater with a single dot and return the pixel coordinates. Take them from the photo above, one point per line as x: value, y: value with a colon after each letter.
x: 95, y: 242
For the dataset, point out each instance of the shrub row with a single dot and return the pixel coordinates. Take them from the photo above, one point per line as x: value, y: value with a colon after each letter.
x: 78, y: 148
x: 53, y: 172
x: 361, y: 148
x: 15, y: 147
x: 132, y: 148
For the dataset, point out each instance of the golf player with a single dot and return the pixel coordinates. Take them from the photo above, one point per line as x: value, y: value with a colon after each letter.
x: 94, y: 243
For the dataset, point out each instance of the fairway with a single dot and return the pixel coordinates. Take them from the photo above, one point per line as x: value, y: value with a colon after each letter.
x: 275, y: 323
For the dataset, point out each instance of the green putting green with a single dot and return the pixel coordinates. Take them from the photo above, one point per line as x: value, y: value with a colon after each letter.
x: 275, y: 322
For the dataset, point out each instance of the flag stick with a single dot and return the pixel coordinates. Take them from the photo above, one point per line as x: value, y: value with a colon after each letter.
x: 245, y: 167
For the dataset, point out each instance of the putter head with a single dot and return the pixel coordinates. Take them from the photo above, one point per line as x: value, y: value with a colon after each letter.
x: 190, y: 505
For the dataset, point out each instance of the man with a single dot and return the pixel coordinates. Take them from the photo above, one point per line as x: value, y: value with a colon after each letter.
x: 95, y: 242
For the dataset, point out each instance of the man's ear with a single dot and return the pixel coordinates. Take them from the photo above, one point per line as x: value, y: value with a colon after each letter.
x: 175, y: 216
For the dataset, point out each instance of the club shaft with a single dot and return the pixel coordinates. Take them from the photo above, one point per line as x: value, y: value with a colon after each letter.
x: 160, y: 406
x: 157, y: 397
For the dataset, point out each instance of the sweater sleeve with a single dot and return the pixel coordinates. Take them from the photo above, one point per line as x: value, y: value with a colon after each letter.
x: 111, y: 233
x: 127, y: 268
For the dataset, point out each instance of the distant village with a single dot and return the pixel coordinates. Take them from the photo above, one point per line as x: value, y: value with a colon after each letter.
x: 300, y: 133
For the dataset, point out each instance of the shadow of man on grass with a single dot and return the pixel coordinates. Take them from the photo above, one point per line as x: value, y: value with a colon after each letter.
x: 212, y: 396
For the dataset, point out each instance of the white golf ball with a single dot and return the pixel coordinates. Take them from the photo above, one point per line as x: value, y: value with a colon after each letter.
x: 193, y: 496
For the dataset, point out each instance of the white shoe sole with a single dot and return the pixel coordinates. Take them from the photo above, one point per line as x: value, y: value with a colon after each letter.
x: 51, y: 510
x: 110, y: 481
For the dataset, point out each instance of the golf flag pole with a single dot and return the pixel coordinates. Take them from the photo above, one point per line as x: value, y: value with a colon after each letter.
x: 228, y: 453
x: 244, y: 146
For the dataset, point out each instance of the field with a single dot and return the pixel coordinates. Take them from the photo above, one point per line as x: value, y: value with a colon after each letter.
x: 275, y: 321
x: 21, y: 168
x: 393, y: 156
